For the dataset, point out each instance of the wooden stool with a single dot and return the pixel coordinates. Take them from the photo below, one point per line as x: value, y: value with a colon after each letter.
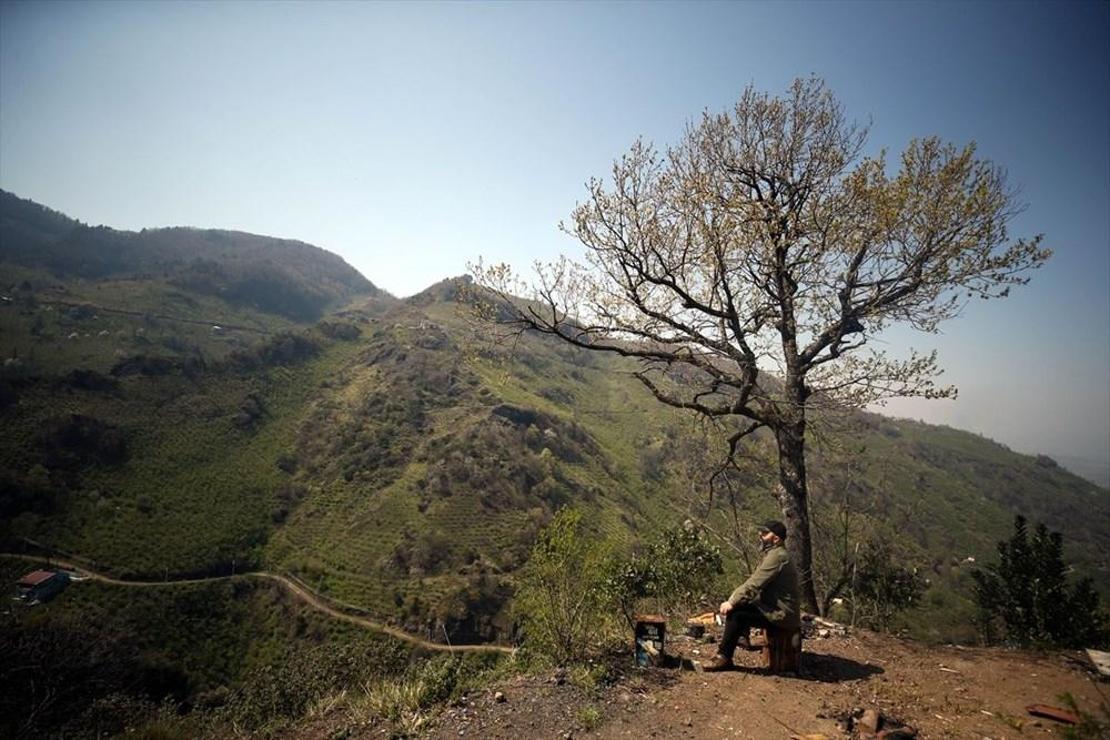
x: 782, y: 650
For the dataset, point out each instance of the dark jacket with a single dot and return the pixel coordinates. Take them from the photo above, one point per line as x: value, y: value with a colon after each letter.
x: 773, y: 589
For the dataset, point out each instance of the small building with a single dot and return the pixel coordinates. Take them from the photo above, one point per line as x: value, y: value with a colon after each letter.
x: 42, y: 585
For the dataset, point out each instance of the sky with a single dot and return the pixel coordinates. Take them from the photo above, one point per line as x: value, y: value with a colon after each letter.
x: 412, y: 139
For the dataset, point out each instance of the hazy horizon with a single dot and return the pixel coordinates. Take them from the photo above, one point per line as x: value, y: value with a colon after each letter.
x: 448, y: 132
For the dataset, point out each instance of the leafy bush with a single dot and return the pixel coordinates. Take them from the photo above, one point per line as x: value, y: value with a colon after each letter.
x: 677, y: 569
x: 284, y: 349
x: 76, y: 440
x: 882, y: 587
x: 653, y: 461
x: 273, y: 694
x: 1027, y: 594
x: 143, y: 365
x: 560, y: 599
x: 90, y: 380
x: 447, y: 677
x: 32, y: 491
x: 474, y: 611
x: 341, y: 330
x: 589, y: 717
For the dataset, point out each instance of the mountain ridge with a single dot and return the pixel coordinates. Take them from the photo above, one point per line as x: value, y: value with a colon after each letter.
x: 292, y: 278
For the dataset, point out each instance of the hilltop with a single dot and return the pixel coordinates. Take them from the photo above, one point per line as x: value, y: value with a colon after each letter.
x: 289, y: 278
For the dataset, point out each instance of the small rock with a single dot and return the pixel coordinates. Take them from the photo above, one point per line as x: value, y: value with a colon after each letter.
x: 823, y: 633
x: 499, y: 697
x: 869, y: 722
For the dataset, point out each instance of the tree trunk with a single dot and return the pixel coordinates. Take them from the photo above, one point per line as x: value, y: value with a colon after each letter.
x: 792, y: 496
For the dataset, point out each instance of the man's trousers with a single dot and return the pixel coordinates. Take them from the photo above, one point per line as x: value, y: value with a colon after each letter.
x: 738, y: 623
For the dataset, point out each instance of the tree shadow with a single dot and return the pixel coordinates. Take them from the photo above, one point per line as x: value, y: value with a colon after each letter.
x: 823, y: 668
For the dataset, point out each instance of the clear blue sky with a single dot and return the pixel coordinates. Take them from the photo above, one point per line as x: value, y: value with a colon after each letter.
x: 413, y: 138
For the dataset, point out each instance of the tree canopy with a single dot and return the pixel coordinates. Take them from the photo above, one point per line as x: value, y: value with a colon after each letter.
x: 750, y: 266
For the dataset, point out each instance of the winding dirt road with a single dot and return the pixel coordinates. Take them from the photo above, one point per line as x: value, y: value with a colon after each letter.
x: 299, y: 591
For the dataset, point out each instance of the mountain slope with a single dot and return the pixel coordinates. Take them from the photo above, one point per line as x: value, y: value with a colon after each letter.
x: 395, y: 459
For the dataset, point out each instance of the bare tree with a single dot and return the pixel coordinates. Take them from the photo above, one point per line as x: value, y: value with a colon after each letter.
x: 749, y: 267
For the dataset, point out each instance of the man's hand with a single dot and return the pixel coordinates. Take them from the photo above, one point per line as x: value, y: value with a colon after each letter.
x: 725, y: 608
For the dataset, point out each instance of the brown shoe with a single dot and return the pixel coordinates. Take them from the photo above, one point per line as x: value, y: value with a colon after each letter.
x: 719, y: 663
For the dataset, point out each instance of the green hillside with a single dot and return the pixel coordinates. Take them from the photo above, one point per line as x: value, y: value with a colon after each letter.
x: 395, y: 459
x: 108, y: 660
x: 402, y: 473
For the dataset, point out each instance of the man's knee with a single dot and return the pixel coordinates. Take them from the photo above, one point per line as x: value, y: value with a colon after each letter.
x: 745, y: 612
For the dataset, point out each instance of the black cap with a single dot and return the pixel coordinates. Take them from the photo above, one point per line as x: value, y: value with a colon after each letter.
x: 774, y: 525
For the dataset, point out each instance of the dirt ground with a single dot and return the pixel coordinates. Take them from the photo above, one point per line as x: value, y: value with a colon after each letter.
x: 941, y: 692
x: 944, y: 692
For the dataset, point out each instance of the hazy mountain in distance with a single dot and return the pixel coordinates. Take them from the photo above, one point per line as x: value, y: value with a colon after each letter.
x: 1093, y: 470
x: 282, y: 276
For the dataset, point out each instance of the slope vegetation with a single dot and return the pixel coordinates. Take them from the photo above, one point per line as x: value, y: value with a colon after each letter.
x: 398, y: 461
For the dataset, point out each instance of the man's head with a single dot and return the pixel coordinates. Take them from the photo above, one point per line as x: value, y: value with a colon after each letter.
x: 772, y: 532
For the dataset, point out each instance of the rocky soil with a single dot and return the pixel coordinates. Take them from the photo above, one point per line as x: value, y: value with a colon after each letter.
x: 848, y: 681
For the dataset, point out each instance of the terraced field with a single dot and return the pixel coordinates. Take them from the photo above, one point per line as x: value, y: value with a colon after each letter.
x: 194, y: 486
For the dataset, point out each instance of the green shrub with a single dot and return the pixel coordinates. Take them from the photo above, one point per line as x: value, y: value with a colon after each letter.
x: 589, y: 718
x: 677, y: 570
x: 75, y: 441
x: 341, y: 330
x: 881, y: 587
x: 591, y: 678
x: 1027, y: 594
x: 447, y: 677
x: 560, y: 600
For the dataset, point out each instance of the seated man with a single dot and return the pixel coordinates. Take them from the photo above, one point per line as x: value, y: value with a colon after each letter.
x: 768, y: 598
